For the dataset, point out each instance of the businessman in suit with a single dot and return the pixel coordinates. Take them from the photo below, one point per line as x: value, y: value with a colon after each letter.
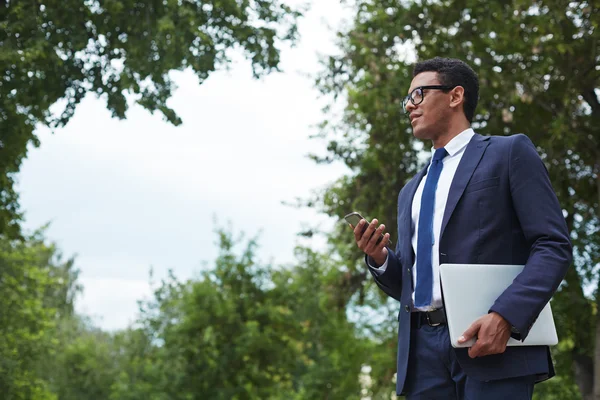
x: 480, y: 200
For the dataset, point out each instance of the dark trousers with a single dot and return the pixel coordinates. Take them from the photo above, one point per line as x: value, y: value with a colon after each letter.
x: 434, y: 373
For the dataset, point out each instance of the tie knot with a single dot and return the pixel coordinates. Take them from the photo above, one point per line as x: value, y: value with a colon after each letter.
x: 440, y: 154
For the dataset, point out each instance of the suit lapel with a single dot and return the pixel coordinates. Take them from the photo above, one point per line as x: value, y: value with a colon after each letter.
x: 468, y: 163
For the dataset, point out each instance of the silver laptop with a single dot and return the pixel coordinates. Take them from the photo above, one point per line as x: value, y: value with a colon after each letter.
x: 471, y: 289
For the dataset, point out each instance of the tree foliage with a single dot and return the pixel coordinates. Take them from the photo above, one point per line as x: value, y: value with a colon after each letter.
x: 241, y: 330
x: 249, y: 331
x: 37, y: 289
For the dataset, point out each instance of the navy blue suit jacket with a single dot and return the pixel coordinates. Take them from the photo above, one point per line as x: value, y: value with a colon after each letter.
x: 501, y: 209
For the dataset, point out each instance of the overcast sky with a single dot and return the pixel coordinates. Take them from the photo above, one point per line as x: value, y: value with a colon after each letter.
x: 125, y: 196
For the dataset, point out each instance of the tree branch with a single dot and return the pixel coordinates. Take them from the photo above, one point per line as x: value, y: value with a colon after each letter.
x: 592, y: 99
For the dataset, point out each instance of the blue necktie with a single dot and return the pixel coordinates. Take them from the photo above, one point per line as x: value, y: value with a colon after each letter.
x: 424, y: 289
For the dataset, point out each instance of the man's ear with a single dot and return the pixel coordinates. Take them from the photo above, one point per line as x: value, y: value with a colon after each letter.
x: 457, y: 96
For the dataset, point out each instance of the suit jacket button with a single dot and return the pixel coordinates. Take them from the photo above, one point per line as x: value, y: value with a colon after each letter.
x: 407, y: 308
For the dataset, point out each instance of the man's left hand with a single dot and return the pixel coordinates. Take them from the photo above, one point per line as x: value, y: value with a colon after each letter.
x: 492, y: 332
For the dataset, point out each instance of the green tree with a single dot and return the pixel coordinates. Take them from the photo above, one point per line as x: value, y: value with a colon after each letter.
x: 241, y: 330
x: 55, y: 52
x: 223, y: 336
x: 84, y: 361
x: 37, y: 291
x: 245, y: 330
x: 88, y: 363
x: 333, y: 349
x: 141, y: 374
x: 538, y: 65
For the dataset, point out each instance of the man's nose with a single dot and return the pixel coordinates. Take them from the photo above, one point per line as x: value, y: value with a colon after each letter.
x: 409, y: 107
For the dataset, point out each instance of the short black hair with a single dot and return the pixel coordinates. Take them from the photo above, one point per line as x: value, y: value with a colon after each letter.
x: 454, y: 72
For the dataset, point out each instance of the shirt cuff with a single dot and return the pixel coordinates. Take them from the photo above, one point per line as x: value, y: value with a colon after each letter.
x: 379, y: 270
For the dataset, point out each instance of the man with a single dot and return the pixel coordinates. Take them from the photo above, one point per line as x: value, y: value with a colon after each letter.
x: 481, y: 200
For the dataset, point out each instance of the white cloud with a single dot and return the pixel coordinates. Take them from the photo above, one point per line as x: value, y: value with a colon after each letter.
x: 111, y: 303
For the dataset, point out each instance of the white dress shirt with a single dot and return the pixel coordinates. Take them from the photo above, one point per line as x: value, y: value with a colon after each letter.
x: 456, y: 149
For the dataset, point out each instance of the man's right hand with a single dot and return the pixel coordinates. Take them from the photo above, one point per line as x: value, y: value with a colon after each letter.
x: 367, y: 241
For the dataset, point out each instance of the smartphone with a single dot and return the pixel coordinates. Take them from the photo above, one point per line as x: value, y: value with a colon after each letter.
x: 354, y: 218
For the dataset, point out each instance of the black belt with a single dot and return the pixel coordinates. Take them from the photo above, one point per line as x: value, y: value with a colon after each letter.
x: 431, y: 318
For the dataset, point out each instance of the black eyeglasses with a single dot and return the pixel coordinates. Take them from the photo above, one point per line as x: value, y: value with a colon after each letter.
x: 417, y: 95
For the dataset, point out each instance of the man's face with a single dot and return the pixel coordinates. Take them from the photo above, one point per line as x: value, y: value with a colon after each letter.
x: 429, y: 119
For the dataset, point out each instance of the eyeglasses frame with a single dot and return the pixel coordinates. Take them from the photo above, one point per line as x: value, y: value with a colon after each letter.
x: 410, y: 95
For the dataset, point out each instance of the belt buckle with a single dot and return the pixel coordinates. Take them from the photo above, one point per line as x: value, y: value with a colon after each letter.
x: 429, y: 321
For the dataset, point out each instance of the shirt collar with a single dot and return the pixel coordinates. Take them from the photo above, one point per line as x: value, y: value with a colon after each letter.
x: 458, y: 142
